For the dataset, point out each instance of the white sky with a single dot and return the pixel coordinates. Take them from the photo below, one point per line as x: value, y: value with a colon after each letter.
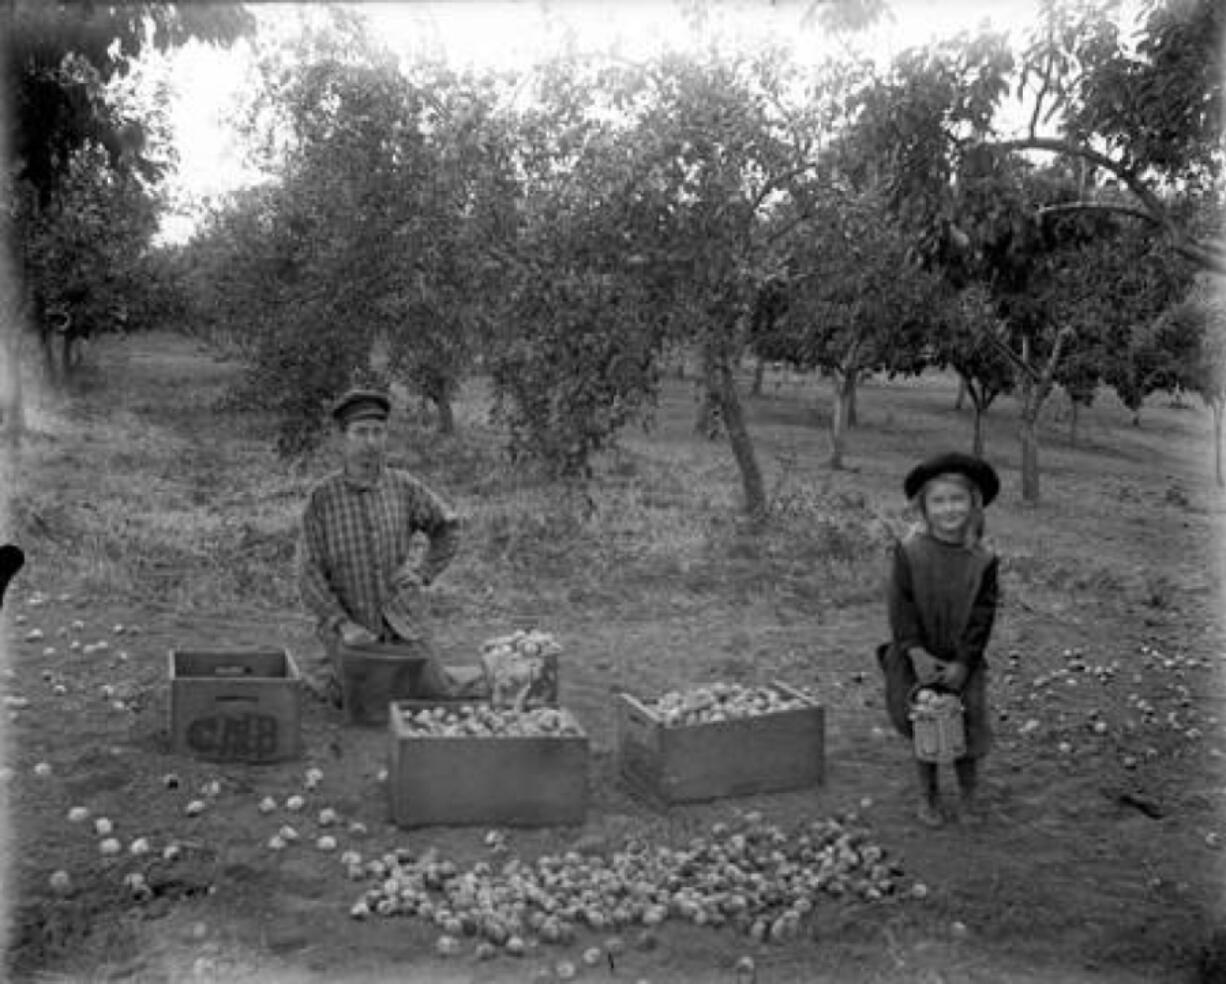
x: 507, y: 33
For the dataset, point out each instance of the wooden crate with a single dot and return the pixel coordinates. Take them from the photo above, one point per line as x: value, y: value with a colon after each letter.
x: 762, y: 754
x: 235, y: 705
x: 513, y: 781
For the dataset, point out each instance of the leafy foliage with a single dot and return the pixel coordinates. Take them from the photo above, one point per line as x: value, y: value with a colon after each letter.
x: 853, y: 302
x: 1155, y: 102
x: 972, y: 340
x: 60, y: 58
x: 563, y: 227
x: 583, y: 366
x: 1185, y: 346
x: 86, y: 161
x: 369, y: 257
x: 664, y: 197
x: 981, y: 212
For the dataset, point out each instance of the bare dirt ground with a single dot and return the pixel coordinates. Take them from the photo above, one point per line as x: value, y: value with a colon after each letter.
x: 143, y: 507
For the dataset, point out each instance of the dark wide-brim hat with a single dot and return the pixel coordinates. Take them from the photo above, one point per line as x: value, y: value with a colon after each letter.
x: 361, y: 404
x: 975, y: 469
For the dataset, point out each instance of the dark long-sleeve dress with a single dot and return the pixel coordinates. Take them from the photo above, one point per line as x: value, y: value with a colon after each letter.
x: 941, y: 597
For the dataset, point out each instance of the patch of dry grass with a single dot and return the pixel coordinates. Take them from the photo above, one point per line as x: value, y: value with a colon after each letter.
x: 191, y: 509
x: 143, y: 488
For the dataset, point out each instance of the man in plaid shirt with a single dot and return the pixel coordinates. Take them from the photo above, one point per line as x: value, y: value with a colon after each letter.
x: 358, y: 571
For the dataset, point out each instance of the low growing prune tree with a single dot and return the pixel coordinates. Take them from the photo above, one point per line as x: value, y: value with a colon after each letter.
x: 854, y: 306
x: 960, y: 342
x: 364, y: 259
x: 1185, y: 348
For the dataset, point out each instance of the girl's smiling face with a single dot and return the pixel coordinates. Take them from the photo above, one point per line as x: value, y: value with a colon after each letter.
x: 947, y: 504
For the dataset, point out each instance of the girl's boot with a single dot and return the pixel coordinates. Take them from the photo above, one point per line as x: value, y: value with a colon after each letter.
x: 929, y: 811
x: 971, y: 811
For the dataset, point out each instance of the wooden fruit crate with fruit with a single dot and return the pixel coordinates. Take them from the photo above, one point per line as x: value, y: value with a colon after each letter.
x: 468, y: 763
x: 721, y: 740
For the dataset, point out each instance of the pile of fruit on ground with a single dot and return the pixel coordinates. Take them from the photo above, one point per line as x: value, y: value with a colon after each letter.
x: 750, y: 876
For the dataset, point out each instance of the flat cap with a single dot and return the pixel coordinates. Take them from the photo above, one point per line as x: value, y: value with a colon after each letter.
x: 953, y: 462
x: 361, y: 404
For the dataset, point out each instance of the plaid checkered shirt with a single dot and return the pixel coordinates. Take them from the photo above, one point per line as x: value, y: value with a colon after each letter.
x: 355, y: 539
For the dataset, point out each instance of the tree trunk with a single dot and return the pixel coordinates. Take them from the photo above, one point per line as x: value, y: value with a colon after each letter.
x: 722, y: 382
x: 446, y: 414
x: 759, y: 371
x: 838, y: 418
x: 853, y: 389
x: 1027, y: 432
x: 1217, y: 443
x: 1074, y: 417
x: 14, y: 407
x: 707, y: 422
x: 1030, y: 458
x: 68, y: 352
x: 677, y: 356
x: 960, y: 399
x: 977, y: 437
x: 1035, y: 388
x: 46, y: 339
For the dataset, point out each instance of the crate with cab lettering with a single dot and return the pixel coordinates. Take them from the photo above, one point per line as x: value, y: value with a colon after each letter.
x: 235, y: 705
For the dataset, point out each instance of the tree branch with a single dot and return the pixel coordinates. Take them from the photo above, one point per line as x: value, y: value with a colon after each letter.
x: 1056, y: 145
x: 1038, y: 99
x: 1012, y: 357
x: 984, y: 332
x: 777, y: 182
x: 1063, y: 337
x: 1207, y: 257
x: 800, y: 219
x: 1136, y: 213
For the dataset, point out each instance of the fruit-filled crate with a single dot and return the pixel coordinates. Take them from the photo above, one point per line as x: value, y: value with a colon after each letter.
x: 720, y: 741
x: 460, y: 763
x: 235, y: 705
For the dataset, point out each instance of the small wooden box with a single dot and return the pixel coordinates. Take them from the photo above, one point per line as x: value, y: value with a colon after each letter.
x: 514, y: 781
x: 235, y: 705
x: 761, y: 754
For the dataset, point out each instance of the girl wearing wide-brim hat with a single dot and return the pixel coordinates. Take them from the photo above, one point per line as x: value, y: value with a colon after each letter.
x: 942, y: 601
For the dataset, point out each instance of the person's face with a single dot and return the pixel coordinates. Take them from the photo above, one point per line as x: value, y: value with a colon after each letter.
x: 365, y: 444
x: 947, y: 504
